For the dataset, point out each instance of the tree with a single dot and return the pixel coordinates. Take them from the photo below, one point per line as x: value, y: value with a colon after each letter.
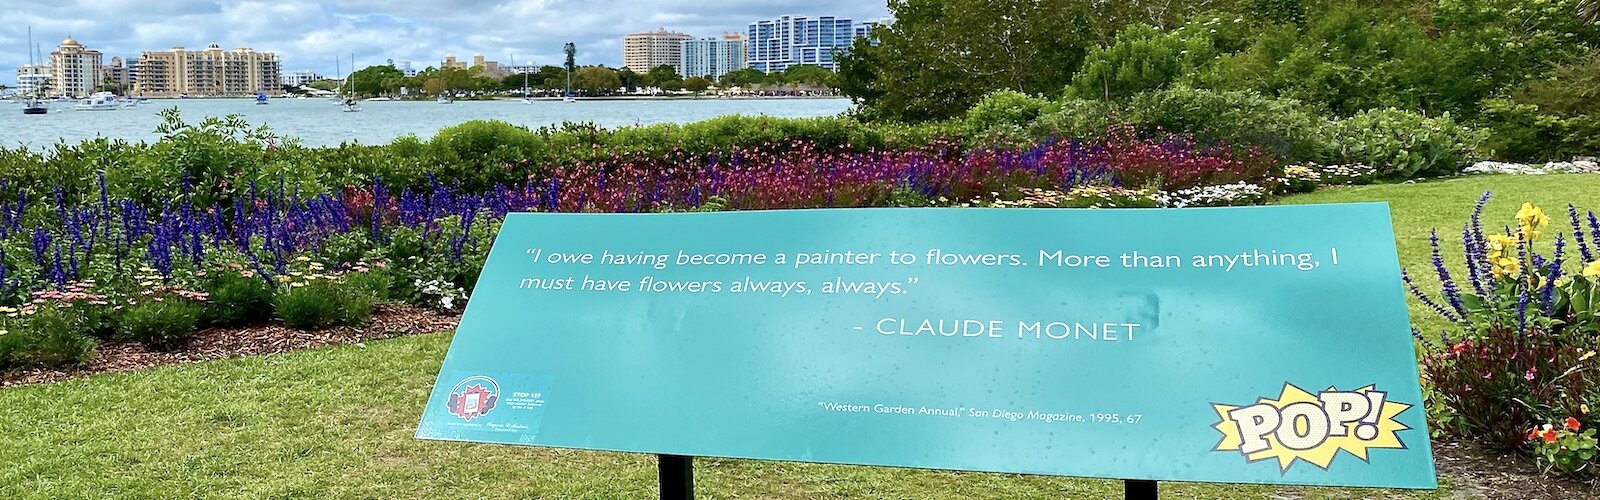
x: 809, y: 75
x: 664, y: 77
x: 940, y: 56
x: 596, y: 80
x: 324, y: 84
x: 1142, y: 58
x: 375, y: 80
x: 630, y: 80
x: 433, y: 86
x: 744, y: 77
x: 696, y: 84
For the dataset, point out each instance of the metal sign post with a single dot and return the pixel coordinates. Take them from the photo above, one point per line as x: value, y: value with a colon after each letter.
x: 677, y: 476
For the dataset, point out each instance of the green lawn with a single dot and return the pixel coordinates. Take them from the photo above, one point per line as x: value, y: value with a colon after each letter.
x: 337, y: 422
x: 1446, y: 205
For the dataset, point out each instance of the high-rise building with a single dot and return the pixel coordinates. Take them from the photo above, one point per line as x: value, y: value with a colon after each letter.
x: 777, y: 44
x: 74, y: 69
x: 117, y: 73
x: 302, y: 77
x: 31, y: 76
x: 643, y: 51
x: 211, y: 72
x: 711, y: 57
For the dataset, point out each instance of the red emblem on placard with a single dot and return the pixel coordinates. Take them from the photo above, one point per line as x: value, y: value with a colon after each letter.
x: 474, y: 400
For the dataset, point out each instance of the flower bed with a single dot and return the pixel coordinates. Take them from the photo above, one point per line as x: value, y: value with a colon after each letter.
x: 1519, y: 369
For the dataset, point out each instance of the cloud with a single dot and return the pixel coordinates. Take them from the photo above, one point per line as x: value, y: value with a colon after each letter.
x: 310, y: 34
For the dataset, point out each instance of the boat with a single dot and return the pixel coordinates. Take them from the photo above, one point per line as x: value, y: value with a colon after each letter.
x: 338, y: 93
x: 351, y: 106
x: 99, y: 101
x: 261, y: 99
x: 32, y: 104
x: 525, y: 98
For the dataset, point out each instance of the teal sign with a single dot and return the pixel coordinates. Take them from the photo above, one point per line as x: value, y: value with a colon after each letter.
x: 1258, y: 345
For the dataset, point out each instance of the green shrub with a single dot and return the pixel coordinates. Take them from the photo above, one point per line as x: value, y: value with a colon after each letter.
x: 1573, y: 89
x: 1084, y: 119
x: 373, y: 282
x: 318, y: 304
x: 1523, y: 132
x: 163, y: 324
x: 311, y: 306
x: 1403, y: 144
x: 1142, y: 58
x: 50, y: 337
x: 1005, y: 107
x: 236, y: 299
x: 1282, y: 126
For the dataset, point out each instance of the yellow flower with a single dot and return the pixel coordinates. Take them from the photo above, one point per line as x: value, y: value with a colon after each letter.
x: 1530, y: 219
x: 1592, y: 271
x: 297, y: 284
x: 283, y: 278
x: 1533, y: 216
x: 1586, y: 356
x: 1500, y: 242
x: 303, y: 258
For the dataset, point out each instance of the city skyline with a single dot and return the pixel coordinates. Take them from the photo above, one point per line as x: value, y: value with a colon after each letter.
x: 310, y: 35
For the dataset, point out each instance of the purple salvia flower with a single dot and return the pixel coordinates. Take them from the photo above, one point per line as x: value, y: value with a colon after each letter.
x: 1577, y: 234
x: 1473, y: 255
x: 1427, y: 301
x: 1522, y: 312
x: 1452, y: 294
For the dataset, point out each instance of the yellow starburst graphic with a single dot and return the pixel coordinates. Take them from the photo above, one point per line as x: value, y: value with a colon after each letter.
x: 1313, y: 428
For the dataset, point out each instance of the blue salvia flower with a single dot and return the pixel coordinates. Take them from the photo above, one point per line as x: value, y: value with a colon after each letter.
x: 1594, y: 231
x: 41, y: 244
x: 1522, y: 312
x: 58, y: 275
x: 1473, y: 255
x: 1425, y: 299
x: 1452, y: 294
x: 1577, y: 234
x: 1478, y: 238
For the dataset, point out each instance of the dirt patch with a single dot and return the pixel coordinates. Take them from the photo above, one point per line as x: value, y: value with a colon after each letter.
x: 1476, y: 472
x: 388, y: 321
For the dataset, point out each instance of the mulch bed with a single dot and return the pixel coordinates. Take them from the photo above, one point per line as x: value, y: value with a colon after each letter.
x: 388, y: 321
x: 1474, y: 472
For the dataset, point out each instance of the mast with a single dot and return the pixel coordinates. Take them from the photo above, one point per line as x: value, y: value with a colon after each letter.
x: 337, y: 72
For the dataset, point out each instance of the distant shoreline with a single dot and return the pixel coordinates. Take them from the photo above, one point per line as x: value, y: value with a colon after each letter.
x: 599, y: 98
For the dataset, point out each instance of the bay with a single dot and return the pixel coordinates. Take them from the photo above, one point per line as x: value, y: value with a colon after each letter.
x: 320, y: 122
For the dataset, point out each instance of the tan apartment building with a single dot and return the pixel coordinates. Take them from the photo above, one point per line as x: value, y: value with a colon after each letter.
x: 642, y: 51
x: 212, y: 72
x: 74, y: 69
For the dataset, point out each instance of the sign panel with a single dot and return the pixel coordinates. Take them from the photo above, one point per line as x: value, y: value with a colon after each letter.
x: 1260, y: 344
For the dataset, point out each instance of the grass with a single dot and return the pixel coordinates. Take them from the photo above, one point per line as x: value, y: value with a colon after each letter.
x: 337, y: 422
x: 1446, y: 205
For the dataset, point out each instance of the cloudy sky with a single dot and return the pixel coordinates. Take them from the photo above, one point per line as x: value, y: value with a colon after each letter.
x: 310, y: 34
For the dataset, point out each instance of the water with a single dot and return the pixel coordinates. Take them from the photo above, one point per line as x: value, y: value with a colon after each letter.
x: 320, y: 122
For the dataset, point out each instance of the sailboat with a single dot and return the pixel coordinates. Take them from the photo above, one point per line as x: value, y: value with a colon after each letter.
x: 350, y: 105
x: 525, y: 98
x: 338, y: 93
x: 33, y: 106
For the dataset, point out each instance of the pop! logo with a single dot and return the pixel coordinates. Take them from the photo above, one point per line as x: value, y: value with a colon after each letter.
x: 1311, y: 427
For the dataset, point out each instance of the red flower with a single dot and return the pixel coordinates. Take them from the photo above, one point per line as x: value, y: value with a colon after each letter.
x: 1549, y: 435
x: 1573, y: 424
